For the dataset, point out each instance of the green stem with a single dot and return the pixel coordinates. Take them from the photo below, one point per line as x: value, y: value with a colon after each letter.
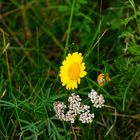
x: 135, y: 14
x: 6, y: 55
x: 69, y: 28
x: 127, y: 88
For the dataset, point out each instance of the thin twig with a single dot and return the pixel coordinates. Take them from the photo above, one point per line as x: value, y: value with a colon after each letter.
x: 115, y: 119
x: 96, y: 43
x: 75, y: 138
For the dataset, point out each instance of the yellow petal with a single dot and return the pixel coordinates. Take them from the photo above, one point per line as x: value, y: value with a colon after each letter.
x: 83, y: 73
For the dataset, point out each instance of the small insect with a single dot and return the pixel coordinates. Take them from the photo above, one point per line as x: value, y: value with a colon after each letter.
x: 3, y: 94
x: 103, y: 78
x: 7, y: 46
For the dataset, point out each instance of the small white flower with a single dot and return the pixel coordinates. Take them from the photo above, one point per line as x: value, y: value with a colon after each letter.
x: 97, y: 100
x: 86, y: 117
x: 59, y: 109
x: 74, y: 103
x: 70, y: 116
x: 84, y: 108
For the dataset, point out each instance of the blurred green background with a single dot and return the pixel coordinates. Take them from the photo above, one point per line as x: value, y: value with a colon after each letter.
x: 35, y: 37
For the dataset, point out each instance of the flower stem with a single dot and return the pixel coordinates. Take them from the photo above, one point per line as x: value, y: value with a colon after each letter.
x: 75, y: 138
x: 69, y: 28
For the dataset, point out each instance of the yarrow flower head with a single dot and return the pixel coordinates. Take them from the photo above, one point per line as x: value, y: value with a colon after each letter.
x: 97, y: 100
x: 72, y: 70
x: 102, y: 79
x: 75, y: 108
x: 59, y: 109
x: 86, y: 117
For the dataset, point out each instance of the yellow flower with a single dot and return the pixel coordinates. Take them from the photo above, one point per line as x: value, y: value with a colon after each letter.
x: 102, y: 79
x: 72, y: 70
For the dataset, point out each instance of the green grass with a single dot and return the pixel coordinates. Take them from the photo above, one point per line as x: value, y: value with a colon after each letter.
x: 40, y: 34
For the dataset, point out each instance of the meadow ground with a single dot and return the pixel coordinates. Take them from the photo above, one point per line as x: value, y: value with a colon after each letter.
x: 37, y: 35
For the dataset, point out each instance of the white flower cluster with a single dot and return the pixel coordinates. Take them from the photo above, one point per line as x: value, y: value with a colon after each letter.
x: 76, y: 108
x: 97, y: 100
x: 75, y: 104
x: 59, y: 109
x: 86, y: 117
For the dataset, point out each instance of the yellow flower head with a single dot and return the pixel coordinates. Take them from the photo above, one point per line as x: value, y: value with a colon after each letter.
x: 72, y: 70
x: 102, y: 79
